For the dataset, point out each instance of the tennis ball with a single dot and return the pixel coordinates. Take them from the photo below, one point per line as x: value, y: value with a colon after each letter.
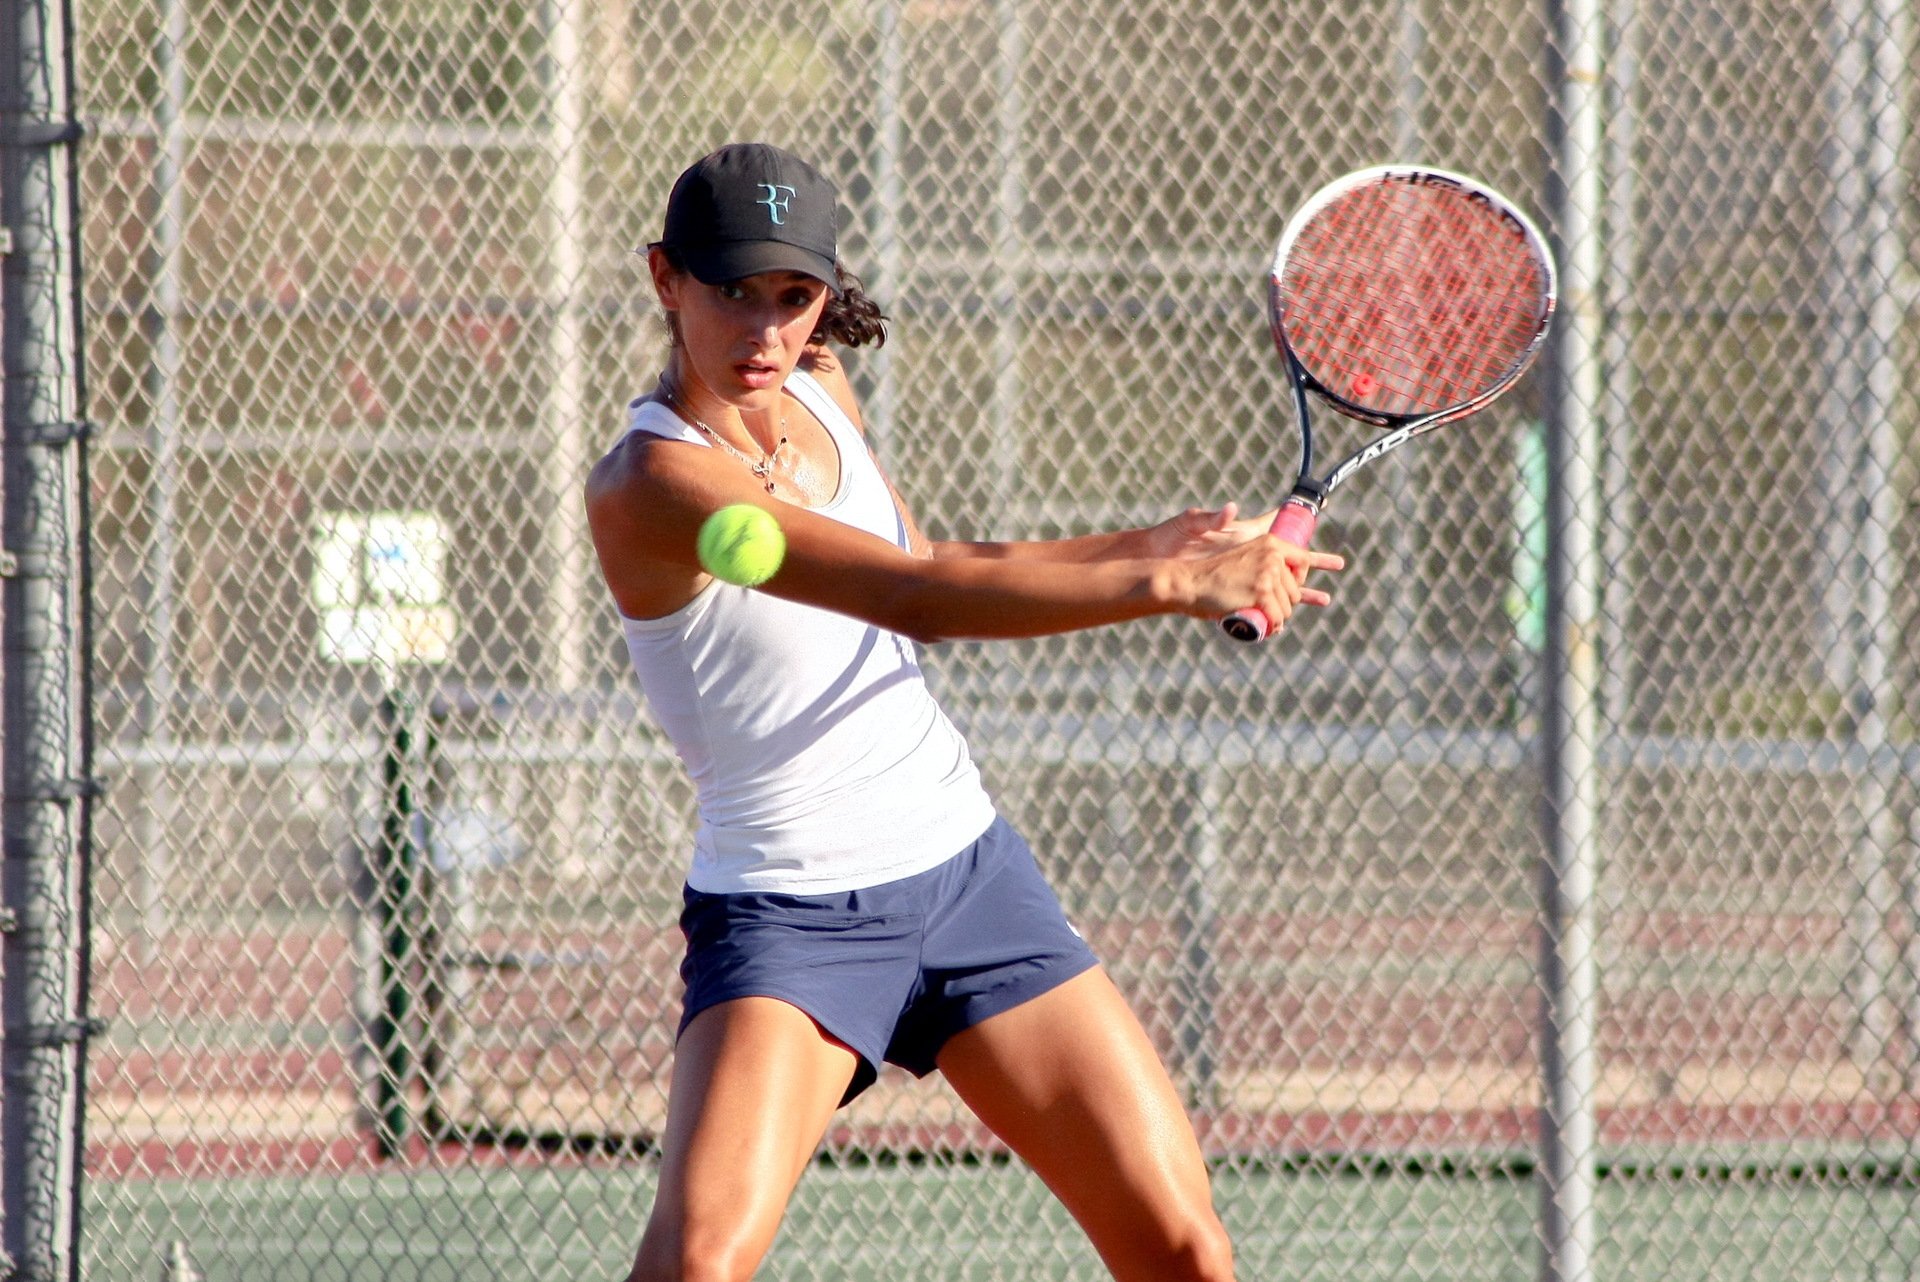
x: 742, y: 544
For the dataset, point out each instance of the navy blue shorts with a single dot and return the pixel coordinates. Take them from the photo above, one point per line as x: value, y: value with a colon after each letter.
x: 892, y: 970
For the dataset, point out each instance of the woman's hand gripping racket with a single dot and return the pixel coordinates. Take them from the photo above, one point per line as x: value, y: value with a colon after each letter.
x: 1405, y: 298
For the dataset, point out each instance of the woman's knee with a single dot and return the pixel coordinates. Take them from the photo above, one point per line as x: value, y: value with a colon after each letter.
x: 1196, y: 1249
x: 719, y: 1255
x: 1210, y: 1252
x: 688, y: 1270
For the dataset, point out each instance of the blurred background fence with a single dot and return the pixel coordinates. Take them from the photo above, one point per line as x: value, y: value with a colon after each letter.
x: 1546, y: 907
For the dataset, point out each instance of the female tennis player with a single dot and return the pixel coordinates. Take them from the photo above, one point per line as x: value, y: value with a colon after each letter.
x: 853, y: 897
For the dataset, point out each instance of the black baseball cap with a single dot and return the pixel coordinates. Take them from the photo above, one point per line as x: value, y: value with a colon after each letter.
x: 749, y: 208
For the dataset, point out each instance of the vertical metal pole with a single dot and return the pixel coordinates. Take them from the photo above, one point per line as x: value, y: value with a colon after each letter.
x: 563, y: 437
x: 1621, y: 282
x: 163, y: 481
x: 1910, y: 887
x: 1009, y: 261
x: 395, y: 909
x: 1840, y: 432
x: 1570, y: 724
x: 879, y: 394
x: 1410, y: 89
x: 1196, y: 817
x: 1406, y: 532
x: 446, y: 933
x: 1006, y: 273
x: 1877, y: 126
x: 46, y: 748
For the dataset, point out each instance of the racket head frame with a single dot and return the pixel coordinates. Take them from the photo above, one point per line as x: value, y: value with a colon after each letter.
x: 1402, y: 427
x: 1299, y: 514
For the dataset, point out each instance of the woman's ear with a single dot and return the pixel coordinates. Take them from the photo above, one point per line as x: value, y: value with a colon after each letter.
x: 666, y: 277
x: 667, y: 280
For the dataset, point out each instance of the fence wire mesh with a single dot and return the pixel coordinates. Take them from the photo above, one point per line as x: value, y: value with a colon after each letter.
x: 388, y: 868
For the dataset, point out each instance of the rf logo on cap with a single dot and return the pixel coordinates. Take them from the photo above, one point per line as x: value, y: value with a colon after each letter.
x: 716, y: 227
x: 778, y: 199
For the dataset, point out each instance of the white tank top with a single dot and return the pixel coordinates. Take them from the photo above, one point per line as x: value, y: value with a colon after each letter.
x: 820, y: 760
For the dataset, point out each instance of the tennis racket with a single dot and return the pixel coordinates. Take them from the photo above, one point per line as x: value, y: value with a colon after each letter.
x: 1406, y: 298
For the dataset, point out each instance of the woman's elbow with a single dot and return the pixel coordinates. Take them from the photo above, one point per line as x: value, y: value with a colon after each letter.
x: 914, y: 614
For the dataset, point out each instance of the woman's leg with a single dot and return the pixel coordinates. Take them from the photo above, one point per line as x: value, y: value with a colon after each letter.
x: 755, y: 1082
x: 1071, y: 1083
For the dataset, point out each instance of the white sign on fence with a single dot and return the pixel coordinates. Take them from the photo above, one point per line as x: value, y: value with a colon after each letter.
x: 379, y: 583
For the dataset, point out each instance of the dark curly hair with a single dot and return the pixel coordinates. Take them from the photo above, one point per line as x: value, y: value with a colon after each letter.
x: 851, y: 318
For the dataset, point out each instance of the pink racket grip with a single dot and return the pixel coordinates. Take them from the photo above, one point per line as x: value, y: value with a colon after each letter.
x: 1293, y: 523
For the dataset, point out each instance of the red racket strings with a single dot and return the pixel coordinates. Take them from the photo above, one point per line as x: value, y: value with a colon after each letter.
x: 1407, y: 299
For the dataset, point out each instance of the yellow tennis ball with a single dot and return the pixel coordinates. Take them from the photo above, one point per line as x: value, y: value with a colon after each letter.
x: 742, y: 544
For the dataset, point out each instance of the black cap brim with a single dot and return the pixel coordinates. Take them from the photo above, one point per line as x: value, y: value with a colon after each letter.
x: 719, y: 264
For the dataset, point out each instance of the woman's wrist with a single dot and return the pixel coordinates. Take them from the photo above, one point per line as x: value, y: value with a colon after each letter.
x: 1170, y: 584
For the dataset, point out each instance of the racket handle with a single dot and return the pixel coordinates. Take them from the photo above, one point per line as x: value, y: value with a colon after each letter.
x: 1293, y: 523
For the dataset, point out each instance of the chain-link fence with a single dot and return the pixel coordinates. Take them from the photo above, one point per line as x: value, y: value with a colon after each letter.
x: 387, y: 871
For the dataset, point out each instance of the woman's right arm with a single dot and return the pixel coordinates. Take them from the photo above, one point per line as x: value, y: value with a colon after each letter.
x: 647, y: 500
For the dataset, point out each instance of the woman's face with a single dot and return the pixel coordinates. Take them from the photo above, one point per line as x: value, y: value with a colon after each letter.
x: 740, y: 340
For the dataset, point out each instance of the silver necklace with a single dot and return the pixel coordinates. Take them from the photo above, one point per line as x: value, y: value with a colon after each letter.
x: 763, y: 468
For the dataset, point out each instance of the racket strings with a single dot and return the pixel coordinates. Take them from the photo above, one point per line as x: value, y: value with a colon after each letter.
x: 1408, y: 299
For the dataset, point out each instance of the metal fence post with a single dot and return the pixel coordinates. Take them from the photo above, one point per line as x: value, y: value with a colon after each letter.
x: 1569, y: 971
x: 45, y: 733
x: 396, y: 904
x: 1196, y: 812
x: 1867, y: 91
x: 1910, y: 890
x: 165, y: 323
x: 877, y: 384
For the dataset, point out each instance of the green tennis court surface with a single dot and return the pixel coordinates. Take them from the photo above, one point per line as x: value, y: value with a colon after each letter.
x: 974, y: 1223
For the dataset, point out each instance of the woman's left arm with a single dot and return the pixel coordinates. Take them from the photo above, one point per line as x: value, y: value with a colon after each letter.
x: 1193, y: 532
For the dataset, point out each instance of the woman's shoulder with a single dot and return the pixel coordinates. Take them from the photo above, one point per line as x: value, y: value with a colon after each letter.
x: 825, y: 368
x: 638, y: 510
x: 641, y: 458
